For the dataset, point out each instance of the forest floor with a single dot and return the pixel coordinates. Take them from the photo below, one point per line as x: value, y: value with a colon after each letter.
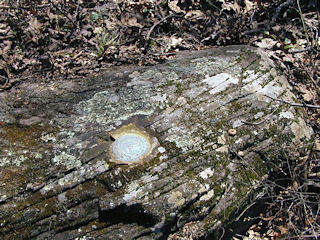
x: 46, y: 40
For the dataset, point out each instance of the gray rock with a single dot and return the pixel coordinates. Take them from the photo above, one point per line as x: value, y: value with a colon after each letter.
x: 30, y: 121
x: 211, y: 136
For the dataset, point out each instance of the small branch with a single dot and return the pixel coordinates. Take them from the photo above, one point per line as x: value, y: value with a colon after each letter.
x: 157, y: 23
x: 303, y: 22
x: 23, y: 7
x: 306, y: 236
x: 308, y: 49
x: 223, y: 232
x: 6, y: 37
x: 63, y: 13
x: 262, y: 121
x: 293, y: 104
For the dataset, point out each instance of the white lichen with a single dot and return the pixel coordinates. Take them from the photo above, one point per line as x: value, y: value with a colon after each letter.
x: 67, y: 160
x: 220, y: 82
x: 287, y: 115
x: 48, y: 138
x: 207, y: 196
x: 183, y: 138
x: 205, y: 174
x: 301, y: 130
x: 176, y: 199
x: 161, y: 149
x: 132, y: 195
x: 148, y: 178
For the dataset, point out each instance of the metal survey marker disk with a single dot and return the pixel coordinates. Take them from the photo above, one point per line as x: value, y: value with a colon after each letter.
x: 131, y: 145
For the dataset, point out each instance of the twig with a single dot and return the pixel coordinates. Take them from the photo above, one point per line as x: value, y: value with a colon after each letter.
x: 63, y: 13
x: 262, y: 121
x: 294, y: 104
x: 163, y: 54
x: 304, y: 236
x: 223, y: 232
x: 76, y: 15
x: 254, y: 31
x: 23, y: 7
x: 179, y: 222
x: 157, y: 23
x: 313, y: 81
x: 303, y: 22
x: 6, y: 37
x: 308, y: 49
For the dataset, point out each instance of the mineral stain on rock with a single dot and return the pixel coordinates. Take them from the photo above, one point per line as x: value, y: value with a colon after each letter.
x: 171, y: 160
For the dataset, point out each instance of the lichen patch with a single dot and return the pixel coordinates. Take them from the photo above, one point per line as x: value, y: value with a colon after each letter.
x: 207, y: 196
x: 205, y: 174
x: 301, y: 130
x: 220, y: 82
x: 176, y: 199
x: 67, y: 160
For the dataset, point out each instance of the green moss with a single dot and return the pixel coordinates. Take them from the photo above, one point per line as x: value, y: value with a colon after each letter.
x: 271, y: 79
x: 179, y: 88
x: 235, y: 106
x: 239, y: 59
x: 25, y: 136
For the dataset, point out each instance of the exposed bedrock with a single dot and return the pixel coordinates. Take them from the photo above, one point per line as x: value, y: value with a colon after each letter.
x: 182, y: 148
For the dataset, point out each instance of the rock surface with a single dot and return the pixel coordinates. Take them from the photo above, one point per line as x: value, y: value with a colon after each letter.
x: 215, y: 137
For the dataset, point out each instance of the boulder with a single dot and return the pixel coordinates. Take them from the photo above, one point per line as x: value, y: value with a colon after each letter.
x: 180, y: 150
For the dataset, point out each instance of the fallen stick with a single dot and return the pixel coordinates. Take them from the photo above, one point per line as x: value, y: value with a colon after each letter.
x: 157, y: 23
x: 294, y: 104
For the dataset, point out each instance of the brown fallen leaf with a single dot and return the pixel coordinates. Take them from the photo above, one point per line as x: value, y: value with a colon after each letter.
x: 283, y: 230
x: 231, y: 6
x: 250, y: 5
x: 130, y: 20
x: 266, y: 43
x: 4, y: 51
x: 173, y: 5
x: 307, y: 94
x: 35, y: 29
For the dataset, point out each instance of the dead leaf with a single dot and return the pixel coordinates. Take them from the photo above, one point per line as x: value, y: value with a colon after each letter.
x: 34, y: 28
x: 230, y: 6
x: 266, y: 43
x: 249, y: 5
x: 4, y: 51
x: 308, y: 95
x: 52, y: 16
x: 98, y: 30
x: 86, y: 33
x: 317, y: 146
x: 173, y: 5
x: 4, y: 28
x: 268, y: 218
x: 288, y: 58
x: 130, y: 20
x: 174, y: 42
x: 194, y: 14
x: 34, y: 25
x: 283, y: 230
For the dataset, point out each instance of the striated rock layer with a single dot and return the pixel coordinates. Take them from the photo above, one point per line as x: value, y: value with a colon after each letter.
x: 212, y: 137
